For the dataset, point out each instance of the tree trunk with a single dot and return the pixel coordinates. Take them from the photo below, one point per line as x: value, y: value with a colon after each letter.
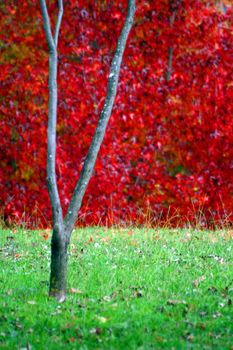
x: 62, y: 228
x: 58, y: 272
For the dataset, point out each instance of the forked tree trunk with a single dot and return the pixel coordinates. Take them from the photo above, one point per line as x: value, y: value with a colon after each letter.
x: 58, y: 273
x: 62, y: 227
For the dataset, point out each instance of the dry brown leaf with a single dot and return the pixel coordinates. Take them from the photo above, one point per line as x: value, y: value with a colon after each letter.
x: 75, y: 291
x: 230, y: 234
x: 198, y: 281
x: 133, y: 243
x: 130, y: 233
x: 105, y: 239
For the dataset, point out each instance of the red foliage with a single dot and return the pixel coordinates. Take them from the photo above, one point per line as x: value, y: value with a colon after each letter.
x: 168, y: 148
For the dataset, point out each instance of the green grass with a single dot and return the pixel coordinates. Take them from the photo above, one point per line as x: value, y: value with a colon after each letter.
x: 128, y: 289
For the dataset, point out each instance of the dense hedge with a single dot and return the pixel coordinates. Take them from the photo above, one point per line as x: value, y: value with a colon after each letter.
x: 167, y: 155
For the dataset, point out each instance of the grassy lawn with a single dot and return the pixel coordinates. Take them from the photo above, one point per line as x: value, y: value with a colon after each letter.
x: 128, y: 289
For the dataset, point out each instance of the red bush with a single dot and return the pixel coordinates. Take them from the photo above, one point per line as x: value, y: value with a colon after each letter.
x: 167, y: 154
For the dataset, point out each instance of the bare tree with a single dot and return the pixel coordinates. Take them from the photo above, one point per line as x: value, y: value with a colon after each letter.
x: 63, y: 226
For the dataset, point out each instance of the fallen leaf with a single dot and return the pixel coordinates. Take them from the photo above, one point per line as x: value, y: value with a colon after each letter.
x: 95, y: 331
x: 198, y: 281
x: 75, y: 291
x: 45, y: 233
x: 176, y: 302
x: 102, y: 319
x: 27, y: 347
x: 230, y: 234
x: 201, y: 326
x: 107, y: 298
x: 114, y: 306
x: 105, y: 239
x: 190, y: 337
x: 138, y: 294
x: 212, y: 238
x: 71, y: 339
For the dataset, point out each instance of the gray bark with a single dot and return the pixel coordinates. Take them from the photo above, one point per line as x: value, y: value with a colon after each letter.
x: 169, y: 65
x: 62, y: 229
x: 170, y: 49
x: 58, y: 273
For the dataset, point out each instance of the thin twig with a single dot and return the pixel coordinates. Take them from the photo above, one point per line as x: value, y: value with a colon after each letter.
x: 58, y: 24
x: 47, y: 26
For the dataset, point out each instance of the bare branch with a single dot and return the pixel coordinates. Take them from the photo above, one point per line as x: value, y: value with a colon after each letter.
x: 169, y: 65
x: 52, y: 122
x: 170, y: 49
x: 172, y: 18
x: 58, y: 24
x: 90, y: 160
x: 47, y: 26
